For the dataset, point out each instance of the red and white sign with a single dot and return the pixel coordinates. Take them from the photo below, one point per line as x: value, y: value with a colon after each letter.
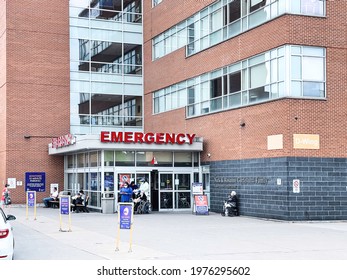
x: 296, y: 186
x: 62, y: 141
x: 148, y: 138
x: 124, y: 178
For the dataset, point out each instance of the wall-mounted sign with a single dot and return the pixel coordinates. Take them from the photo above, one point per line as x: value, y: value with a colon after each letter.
x: 306, y: 141
x: 148, y: 138
x: 12, y: 183
x: 62, y: 141
x: 296, y: 186
x: 35, y: 181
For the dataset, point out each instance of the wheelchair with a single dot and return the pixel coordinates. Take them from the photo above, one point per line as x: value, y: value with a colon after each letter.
x: 142, y: 205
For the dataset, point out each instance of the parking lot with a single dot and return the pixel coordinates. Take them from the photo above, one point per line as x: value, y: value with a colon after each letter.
x: 174, y: 236
x: 194, y: 245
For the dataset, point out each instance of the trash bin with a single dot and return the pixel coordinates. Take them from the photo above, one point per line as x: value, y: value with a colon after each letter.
x: 107, y: 203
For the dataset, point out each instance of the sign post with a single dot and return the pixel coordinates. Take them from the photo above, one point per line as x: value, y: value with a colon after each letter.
x: 197, y: 189
x: 125, y: 221
x: 30, y: 202
x: 201, y: 204
x: 64, y: 209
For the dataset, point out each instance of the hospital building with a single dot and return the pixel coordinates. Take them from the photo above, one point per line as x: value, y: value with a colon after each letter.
x: 222, y: 95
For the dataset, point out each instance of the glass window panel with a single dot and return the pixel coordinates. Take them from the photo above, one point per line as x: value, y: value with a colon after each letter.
x: 80, y: 160
x: 216, y: 37
x: 93, y: 159
x: 196, y: 159
x: 204, y: 42
x: 235, y: 100
x: 274, y: 91
x: 163, y: 158
x: 256, y: 60
x: 258, y: 75
x: 81, y: 183
x: 235, y: 82
x: 183, y: 159
x: 274, y: 71
x: 313, y: 51
x: 94, y: 181
x: 281, y: 89
x: 259, y: 17
x: 204, y: 27
x: 295, y: 6
x: 182, y: 200
x: 166, y: 181
x: 125, y: 158
x: 108, y: 158
x: 234, y: 28
x: 296, y: 89
x: 313, y: 89
x: 296, y: 67
x: 182, y: 97
x: 312, y: 7
x: 313, y: 69
x: 274, y: 9
x: 191, y: 95
x: 166, y: 200
x: 168, y: 102
x: 295, y: 49
x: 281, y: 69
x: 109, y: 181
x: 216, y: 87
x: 182, y: 182
x: 70, y: 161
x: 174, y: 100
x: 216, y: 20
x: 182, y: 38
x: 144, y: 158
x: 234, y: 9
x: 259, y: 94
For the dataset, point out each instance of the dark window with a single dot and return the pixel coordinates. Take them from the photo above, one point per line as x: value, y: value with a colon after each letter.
x: 234, y: 82
x: 256, y: 4
x: 216, y: 87
x: 232, y: 12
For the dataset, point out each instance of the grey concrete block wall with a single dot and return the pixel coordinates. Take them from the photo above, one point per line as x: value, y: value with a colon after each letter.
x: 265, y: 187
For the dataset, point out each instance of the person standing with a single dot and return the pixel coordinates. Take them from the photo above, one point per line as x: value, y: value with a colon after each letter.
x: 5, y: 196
x: 125, y: 193
x: 53, y: 196
x: 134, y: 187
x: 144, y: 189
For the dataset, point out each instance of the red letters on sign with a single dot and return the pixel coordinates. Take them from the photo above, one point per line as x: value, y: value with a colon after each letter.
x: 149, y: 138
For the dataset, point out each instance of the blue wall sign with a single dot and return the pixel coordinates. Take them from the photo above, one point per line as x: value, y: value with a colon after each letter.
x: 35, y: 181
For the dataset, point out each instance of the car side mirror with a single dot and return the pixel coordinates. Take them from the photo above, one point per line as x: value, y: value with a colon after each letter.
x: 10, y: 217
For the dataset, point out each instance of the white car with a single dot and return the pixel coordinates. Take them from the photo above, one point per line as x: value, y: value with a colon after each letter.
x: 6, y: 236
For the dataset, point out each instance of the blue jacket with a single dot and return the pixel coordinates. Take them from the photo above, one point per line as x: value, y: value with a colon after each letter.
x: 125, y: 194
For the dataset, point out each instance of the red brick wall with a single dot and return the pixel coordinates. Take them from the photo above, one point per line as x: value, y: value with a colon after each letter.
x: 223, y: 137
x: 2, y: 89
x: 37, y: 90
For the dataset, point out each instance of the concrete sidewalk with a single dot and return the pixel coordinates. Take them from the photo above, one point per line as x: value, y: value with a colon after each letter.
x: 175, y: 236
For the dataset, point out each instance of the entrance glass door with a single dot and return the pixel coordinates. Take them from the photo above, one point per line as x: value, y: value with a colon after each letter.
x: 174, y: 191
x: 182, y: 191
x: 165, y: 191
